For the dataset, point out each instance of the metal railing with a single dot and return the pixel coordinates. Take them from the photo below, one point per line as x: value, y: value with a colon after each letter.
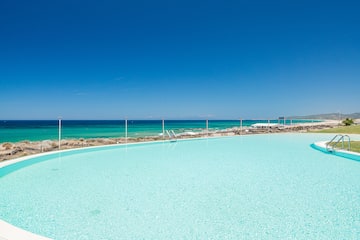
x: 172, y: 136
x: 332, y: 144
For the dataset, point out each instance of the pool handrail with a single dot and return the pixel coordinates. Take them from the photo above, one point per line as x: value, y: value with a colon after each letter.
x: 172, y: 136
x: 340, y: 137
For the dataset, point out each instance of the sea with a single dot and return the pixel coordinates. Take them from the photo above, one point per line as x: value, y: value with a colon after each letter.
x: 38, y: 130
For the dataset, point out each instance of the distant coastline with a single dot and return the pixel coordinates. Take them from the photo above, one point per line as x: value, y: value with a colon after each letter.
x: 39, y: 130
x: 329, y: 116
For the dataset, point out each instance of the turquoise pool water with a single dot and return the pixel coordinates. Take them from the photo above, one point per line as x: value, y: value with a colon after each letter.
x: 249, y: 187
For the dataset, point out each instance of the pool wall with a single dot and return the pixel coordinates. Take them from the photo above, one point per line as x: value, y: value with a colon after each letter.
x: 321, y: 146
x: 9, y: 166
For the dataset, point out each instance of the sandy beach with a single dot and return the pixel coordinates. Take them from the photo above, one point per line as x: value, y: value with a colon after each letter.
x: 25, y: 148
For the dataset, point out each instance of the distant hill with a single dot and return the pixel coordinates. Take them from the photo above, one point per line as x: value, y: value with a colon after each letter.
x: 330, y: 116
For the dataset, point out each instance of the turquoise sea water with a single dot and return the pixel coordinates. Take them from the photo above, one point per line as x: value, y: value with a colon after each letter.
x: 247, y: 187
x: 15, y: 131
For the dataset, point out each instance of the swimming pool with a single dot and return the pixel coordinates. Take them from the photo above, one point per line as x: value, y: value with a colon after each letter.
x: 248, y: 187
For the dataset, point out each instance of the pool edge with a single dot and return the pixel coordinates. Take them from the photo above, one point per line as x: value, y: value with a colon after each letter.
x: 321, y: 146
x: 11, y: 232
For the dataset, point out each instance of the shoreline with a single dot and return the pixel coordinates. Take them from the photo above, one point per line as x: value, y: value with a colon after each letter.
x: 10, y: 151
x: 14, y: 131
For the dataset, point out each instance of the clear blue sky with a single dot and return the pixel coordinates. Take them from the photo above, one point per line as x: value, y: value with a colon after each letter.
x: 178, y: 59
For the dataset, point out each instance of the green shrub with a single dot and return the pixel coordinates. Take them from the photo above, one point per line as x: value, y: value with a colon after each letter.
x: 348, y: 122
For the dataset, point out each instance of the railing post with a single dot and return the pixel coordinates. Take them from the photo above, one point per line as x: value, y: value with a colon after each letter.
x: 241, y: 126
x: 207, y: 127
x: 59, y: 133
x: 163, y: 129
x: 126, y: 131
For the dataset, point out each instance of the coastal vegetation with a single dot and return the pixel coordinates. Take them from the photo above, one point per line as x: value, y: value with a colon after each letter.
x: 349, y: 128
x: 352, y: 129
x: 348, y: 122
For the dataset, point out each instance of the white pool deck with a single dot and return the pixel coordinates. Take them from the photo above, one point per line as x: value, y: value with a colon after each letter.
x: 10, y: 232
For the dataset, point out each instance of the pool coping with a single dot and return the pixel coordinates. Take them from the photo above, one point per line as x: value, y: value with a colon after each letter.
x: 11, y: 232
x: 321, y: 146
x: 21, y: 159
